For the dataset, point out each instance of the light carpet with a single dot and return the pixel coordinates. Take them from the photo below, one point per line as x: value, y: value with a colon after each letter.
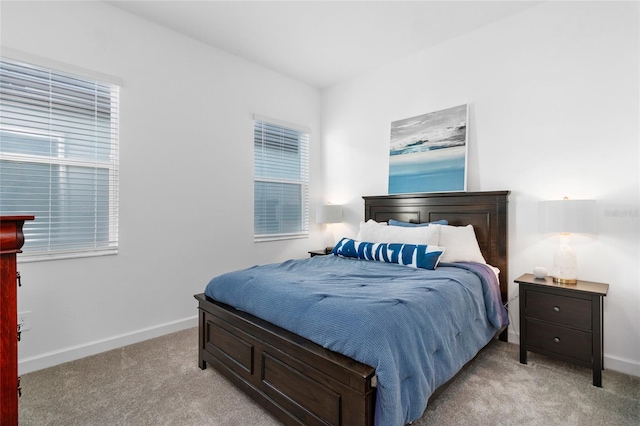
x: 158, y: 382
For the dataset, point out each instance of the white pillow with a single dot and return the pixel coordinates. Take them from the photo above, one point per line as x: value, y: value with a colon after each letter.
x: 375, y: 232
x: 460, y: 243
x: 369, y: 228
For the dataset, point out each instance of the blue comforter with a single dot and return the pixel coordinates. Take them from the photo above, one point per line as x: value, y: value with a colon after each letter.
x: 416, y: 327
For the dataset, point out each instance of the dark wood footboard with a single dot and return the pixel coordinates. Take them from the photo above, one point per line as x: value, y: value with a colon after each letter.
x: 298, y: 381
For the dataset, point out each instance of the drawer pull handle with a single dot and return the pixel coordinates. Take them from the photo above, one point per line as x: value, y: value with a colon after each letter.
x: 556, y: 309
x: 556, y: 339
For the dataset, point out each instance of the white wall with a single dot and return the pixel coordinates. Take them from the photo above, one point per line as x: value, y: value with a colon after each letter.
x: 186, y: 170
x: 553, y: 93
x: 554, y: 111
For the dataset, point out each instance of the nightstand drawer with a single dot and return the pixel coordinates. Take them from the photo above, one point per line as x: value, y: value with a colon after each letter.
x: 561, y: 340
x: 559, y: 309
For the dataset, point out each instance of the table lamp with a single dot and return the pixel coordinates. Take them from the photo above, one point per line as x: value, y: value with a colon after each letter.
x: 328, y: 213
x: 567, y: 217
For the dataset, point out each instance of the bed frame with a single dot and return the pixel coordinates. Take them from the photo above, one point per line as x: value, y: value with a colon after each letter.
x: 300, y: 382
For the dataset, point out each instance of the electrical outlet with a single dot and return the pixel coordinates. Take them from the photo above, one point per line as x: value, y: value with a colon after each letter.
x: 24, y: 320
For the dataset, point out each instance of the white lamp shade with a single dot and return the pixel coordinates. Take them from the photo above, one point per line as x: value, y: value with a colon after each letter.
x: 329, y: 213
x: 568, y: 216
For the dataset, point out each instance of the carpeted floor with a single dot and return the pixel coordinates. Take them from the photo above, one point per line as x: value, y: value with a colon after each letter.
x: 158, y: 382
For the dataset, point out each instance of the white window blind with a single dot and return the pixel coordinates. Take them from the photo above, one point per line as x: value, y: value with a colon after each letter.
x: 59, y: 159
x: 281, y: 181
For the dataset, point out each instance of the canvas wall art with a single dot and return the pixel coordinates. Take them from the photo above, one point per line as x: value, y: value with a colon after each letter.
x: 428, y: 153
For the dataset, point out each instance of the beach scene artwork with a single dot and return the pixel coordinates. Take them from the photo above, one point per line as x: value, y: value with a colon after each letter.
x: 428, y: 153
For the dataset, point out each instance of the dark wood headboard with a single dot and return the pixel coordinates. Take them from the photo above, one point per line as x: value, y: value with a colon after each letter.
x: 486, y: 211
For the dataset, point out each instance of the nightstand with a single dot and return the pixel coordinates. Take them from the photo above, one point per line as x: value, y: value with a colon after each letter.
x: 321, y: 252
x: 563, y: 321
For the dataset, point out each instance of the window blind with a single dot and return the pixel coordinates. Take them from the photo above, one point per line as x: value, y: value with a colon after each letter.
x: 281, y: 181
x: 59, y: 159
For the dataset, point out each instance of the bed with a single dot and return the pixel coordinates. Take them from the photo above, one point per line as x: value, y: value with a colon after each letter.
x: 302, y: 382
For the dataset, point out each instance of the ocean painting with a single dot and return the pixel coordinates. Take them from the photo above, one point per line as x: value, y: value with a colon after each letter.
x: 428, y: 153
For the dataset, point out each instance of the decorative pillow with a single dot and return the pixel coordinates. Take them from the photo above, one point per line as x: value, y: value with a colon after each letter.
x: 394, y: 222
x: 417, y: 256
x: 376, y: 232
x: 461, y: 244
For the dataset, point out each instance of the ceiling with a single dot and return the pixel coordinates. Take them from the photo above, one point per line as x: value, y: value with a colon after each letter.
x: 322, y: 42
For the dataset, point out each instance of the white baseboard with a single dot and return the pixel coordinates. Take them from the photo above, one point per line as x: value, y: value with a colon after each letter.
x: 622, y: 365
x: 611, y: 362
x: 513, y: 336
x: 50, y: 359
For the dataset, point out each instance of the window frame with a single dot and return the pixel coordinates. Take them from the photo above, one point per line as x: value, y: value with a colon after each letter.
x: 302, y: 180
x: 60, y: 163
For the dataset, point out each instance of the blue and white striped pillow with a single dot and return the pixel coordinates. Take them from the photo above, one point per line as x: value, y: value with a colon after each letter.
x: 414, y: 255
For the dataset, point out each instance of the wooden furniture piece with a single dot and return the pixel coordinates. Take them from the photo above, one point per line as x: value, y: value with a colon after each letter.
x: 11, y: 240
x: 563, y: 321
x: 299, y: 381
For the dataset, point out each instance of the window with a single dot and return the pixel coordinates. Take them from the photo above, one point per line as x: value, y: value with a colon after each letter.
x: 59, y: 159
x: 281, y: 181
